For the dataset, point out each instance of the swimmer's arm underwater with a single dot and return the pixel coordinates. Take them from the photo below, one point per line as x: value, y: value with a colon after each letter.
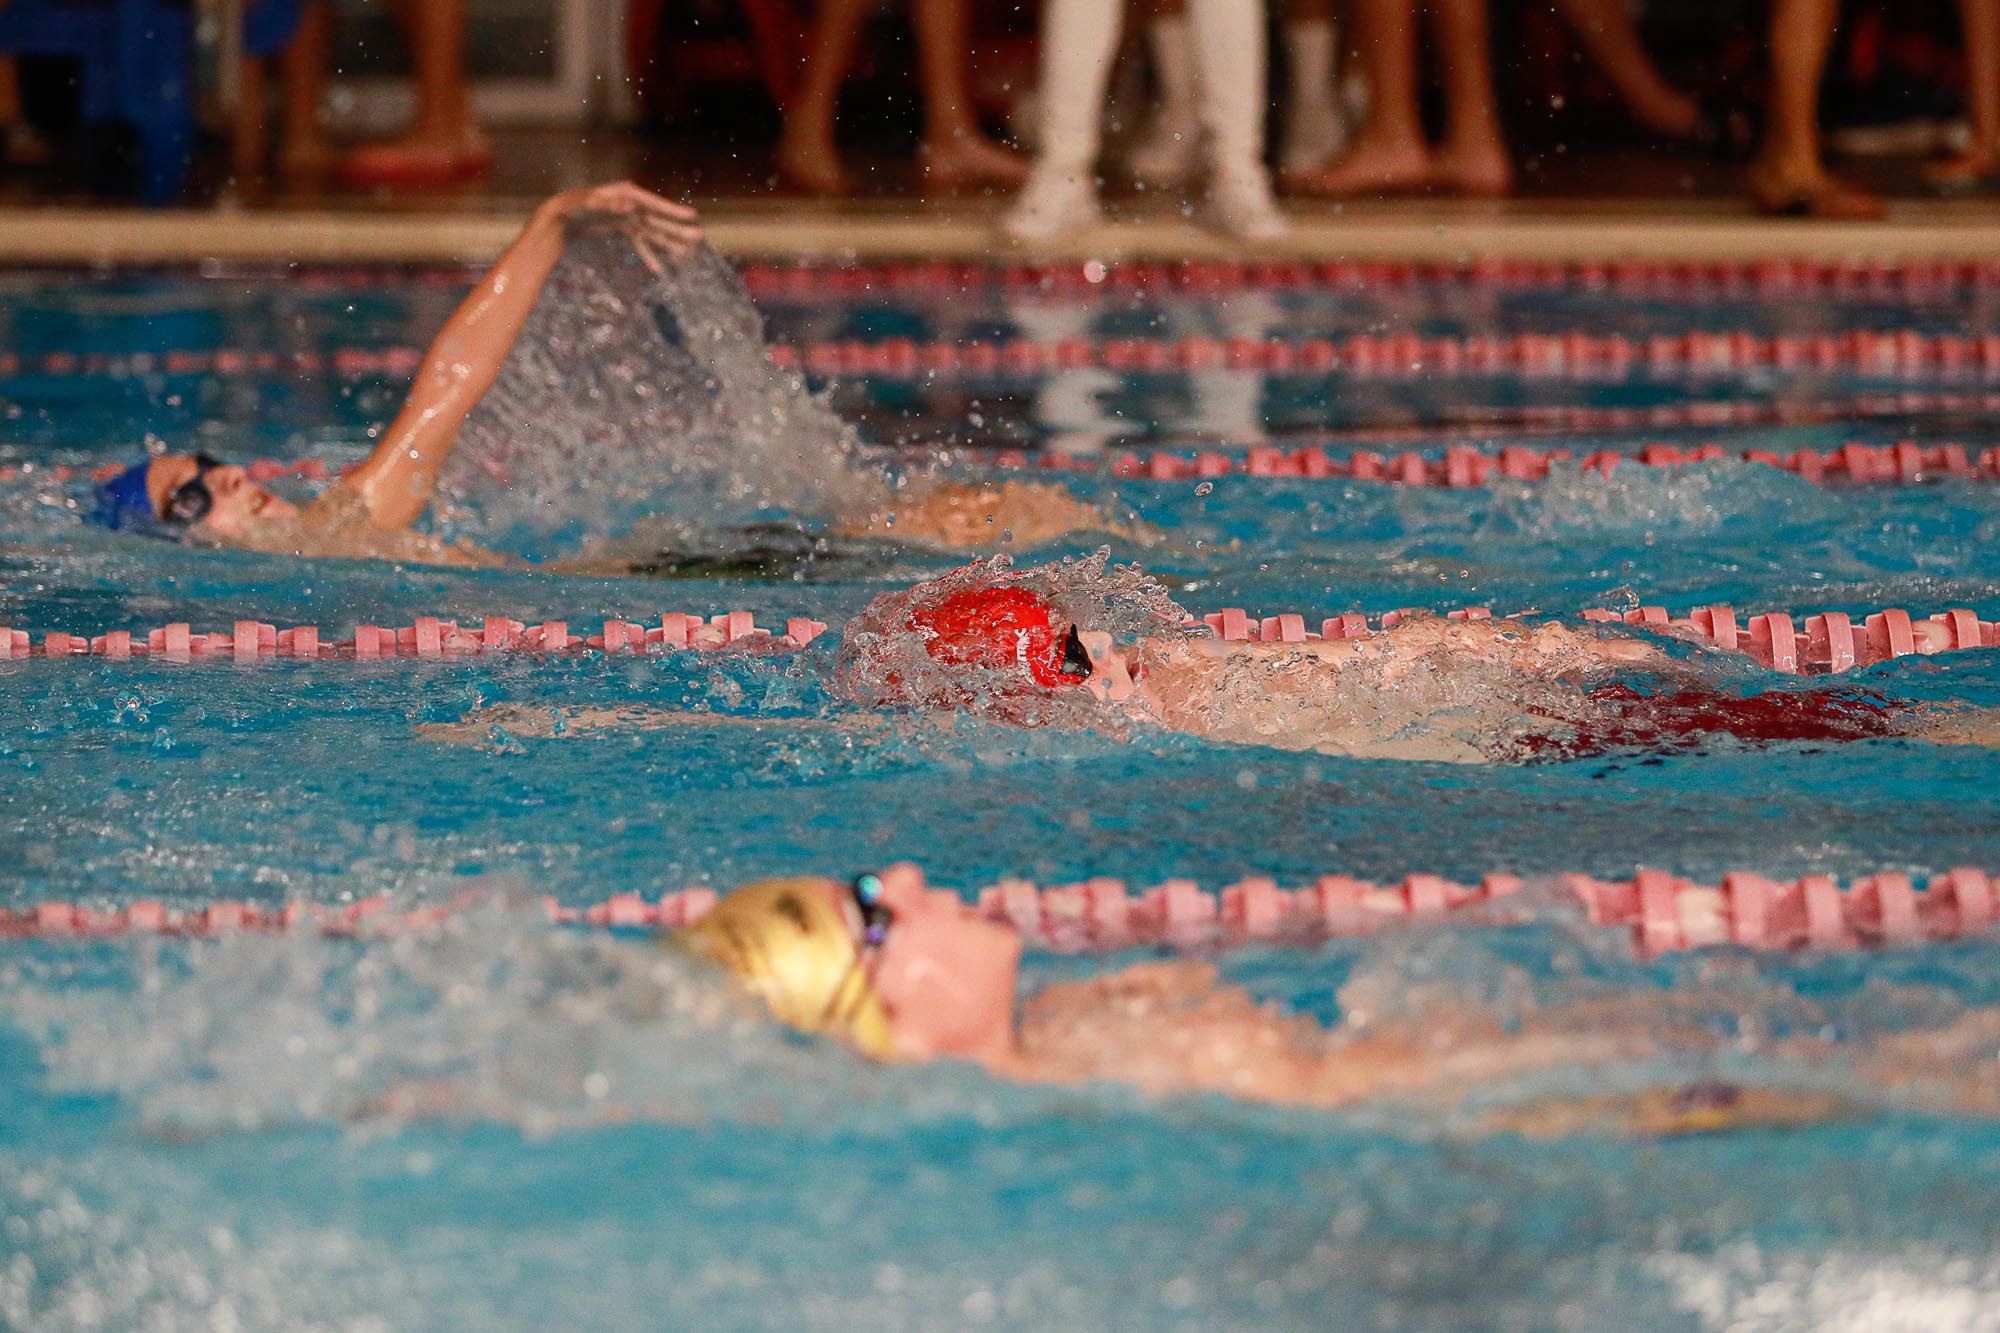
x: 397, y: 479
x: 483, y: 726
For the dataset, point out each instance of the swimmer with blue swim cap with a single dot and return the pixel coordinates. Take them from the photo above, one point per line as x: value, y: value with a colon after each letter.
x: 370, y: 511
x: 169, y: 495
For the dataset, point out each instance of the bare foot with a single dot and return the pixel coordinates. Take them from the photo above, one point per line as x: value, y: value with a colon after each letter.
x: 970, y: 158
x: 307, y: 158
x: 811, y: 163
x: 422, y: 157
x: 24, y: 147
x: 1481, y: 171
x: 1977, y: 168
x: 1371, y: 166
x: 1806, y: 190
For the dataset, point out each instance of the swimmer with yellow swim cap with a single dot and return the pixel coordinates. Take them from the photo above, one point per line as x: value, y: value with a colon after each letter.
x: 899, y: 971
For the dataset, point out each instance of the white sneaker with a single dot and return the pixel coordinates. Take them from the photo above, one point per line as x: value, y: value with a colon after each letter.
x: 1240, y: 203
x: 1053, y: 202
x: 1166, y: 153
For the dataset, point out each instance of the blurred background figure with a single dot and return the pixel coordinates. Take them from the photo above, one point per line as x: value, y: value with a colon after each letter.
x: 1391, y: 153
x: 1788, y: 177
x: 1319, y: 102
x: 20, y: 144
x: 955, y: 151
x: 1079, y: 40
x: 444, y: 143
x: 303, y: 150
x: 1978, y: 166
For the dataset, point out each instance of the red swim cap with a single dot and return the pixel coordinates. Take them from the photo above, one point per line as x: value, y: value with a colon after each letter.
x: 1001, y: 629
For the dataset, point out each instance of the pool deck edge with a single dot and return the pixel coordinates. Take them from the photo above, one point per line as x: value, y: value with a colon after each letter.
x: 100, y: 236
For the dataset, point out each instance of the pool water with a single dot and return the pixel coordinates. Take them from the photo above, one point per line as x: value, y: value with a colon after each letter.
x: 218, y: 1135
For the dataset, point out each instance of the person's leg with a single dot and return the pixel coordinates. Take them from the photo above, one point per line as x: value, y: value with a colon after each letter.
x: 444, y: 141
x: 1472, y: 158
x: 1167, y: 150
x: 1315, y: 122
x: 1389, y: 152
x: 806, y: 151
x: 1788, y: 176
x: 1980, y: 162
x: 20, y: 145
x: 955, y: 151
x: 1079, y: 39
x: 1609, y: 35
x: 302, y: 146
x: 248, y: 131
x: 1229, y: 35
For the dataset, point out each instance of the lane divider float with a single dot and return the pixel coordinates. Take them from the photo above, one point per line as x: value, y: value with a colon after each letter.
x: 1771, y: 277
x: 1464, y: 467
x: 428, y: 637
x: 1457, y: 467
x: 1663, y: 913
x: 1824, y: 642
x: 1574, y: 356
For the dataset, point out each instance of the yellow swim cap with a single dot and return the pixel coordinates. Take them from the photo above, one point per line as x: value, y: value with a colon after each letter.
x: 789, y: 943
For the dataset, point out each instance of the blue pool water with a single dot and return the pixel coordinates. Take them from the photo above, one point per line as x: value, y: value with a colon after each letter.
x: 196, y: 1135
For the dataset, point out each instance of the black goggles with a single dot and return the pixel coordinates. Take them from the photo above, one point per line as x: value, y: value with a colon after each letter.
x: 192, y: 499
x: 1076, y: 659
x: 876, y: 918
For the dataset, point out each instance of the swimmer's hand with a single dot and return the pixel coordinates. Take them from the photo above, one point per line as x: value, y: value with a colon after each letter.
x: 975, y: 516
x: 657, y: 226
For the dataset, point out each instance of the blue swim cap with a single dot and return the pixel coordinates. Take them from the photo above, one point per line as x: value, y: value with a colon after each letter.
x: 124, y: 504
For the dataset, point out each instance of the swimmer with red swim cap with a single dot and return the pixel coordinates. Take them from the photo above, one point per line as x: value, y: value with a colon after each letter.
x: 1086, y: 644
x: 370, y: 512
x: 1034, y: 647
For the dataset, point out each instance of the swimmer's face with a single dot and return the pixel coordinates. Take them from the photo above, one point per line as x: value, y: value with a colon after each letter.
x: 236, y: 503
x: 944, y: 972
x: 1111, y: 677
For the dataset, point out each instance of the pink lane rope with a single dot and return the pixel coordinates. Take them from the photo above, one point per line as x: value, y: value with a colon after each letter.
x: 1460, y: 466
x: 1464, y: 467
x: 1670, y: 279
x: 1829, y: 641
x: 1664, y: 913
x: 1766, y: 277
x: 1563, y: 356
x: 429, y: 637
x: 1582, y: 356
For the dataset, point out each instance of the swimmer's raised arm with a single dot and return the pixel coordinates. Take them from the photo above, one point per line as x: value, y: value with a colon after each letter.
x: 464, y: 359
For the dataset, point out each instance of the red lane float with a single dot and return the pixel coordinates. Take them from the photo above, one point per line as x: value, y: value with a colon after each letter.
x: 1665, y: 279
x: 1659, y: 279
x: 1829, y: 641
x: 1459, y: 467
x: 1900, y: 354
x: 1880, y: 353
x: 1664, y: 913
x: 429, y: 637
x: 1463, y: 467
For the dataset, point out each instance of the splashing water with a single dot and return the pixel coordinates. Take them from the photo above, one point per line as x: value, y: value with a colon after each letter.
x: 884, y: 659
x: 632, y: 393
